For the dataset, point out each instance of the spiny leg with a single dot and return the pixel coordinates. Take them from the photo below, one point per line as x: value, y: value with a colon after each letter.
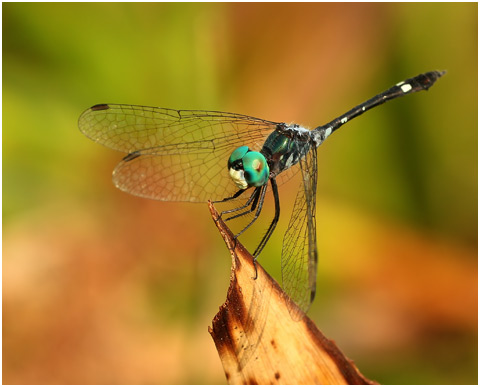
x: 272, y: 226
x: 257, y: 194
x: 253, y: 198
x: 252, y: 208
x: 234, y: 196
x: 263, y: 190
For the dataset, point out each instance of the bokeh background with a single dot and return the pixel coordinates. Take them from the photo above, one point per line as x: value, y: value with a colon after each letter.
x: 103, y: 287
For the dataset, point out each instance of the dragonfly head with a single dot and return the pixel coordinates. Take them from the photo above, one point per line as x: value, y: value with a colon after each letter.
x: 248, y: 168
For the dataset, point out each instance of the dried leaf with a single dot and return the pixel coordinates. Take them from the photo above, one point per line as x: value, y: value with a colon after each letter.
x: 257, y: 339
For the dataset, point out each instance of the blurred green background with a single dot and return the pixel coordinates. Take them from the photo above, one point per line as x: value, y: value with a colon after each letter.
x: 105, y: 288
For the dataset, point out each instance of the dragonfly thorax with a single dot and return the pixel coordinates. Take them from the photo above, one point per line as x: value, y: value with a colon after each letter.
x: 284, y: 151
x: 248, y: 168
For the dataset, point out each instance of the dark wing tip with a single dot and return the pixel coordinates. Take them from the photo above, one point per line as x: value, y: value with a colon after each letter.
x: 131, y: 156
x: 83, y: 120
x: 100, y: 106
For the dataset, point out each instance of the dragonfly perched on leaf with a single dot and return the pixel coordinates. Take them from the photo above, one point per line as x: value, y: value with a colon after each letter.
x: 197, y: 155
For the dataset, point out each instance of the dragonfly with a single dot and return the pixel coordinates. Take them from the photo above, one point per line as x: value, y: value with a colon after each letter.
x: 197, y: 155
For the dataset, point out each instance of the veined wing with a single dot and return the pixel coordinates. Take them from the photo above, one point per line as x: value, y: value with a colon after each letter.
x: 299, y: 253
x: 177, y: 155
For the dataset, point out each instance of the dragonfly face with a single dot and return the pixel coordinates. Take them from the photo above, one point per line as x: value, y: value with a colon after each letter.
x: 248, y: 168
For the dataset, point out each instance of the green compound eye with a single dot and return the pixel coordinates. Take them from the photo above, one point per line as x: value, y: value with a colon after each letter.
x: 248, y: 168
x: 236, y: 156
x: 256, y: 169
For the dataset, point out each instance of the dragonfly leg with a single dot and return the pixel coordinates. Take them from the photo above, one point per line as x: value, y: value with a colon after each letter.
x: 234, y: 196
x: 272, y: 226
x: 253, y: 197
x: 263, y: 190
x: 256, y: 198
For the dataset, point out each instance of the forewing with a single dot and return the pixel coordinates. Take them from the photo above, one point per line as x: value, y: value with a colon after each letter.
x: 178, y: 155
x: 299, y: 254
x: 195, y: 177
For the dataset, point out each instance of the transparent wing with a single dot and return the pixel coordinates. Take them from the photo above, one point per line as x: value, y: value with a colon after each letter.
x: 299, y: 253
x: 174, y: 155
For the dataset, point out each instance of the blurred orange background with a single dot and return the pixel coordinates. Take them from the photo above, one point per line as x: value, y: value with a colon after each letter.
x: 105, y: 288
